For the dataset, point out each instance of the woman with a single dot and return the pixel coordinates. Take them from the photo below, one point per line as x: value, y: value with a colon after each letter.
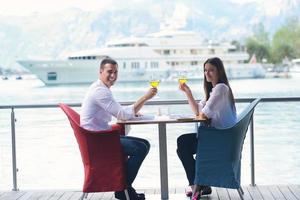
x: 218, y: 106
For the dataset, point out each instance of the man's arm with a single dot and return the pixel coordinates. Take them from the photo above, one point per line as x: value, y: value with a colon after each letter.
x: 141, y: 101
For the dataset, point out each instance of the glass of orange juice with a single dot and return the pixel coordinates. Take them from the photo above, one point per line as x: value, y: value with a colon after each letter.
x: 154, y: 83
x: 182, y: 79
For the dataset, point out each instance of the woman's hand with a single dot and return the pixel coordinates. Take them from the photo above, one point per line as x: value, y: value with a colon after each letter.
x: 194, y: 105
x: 184, y: 87
x: 201, y: 115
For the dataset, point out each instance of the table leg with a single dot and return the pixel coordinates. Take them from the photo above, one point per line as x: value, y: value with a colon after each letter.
x: 163, y: 159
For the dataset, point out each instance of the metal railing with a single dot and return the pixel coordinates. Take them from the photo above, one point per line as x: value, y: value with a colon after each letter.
x: 170, y: 102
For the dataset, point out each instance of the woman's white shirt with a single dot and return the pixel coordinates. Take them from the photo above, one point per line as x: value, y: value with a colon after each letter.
x: 219, y: 107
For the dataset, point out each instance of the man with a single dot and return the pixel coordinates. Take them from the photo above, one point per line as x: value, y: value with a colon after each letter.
x: 97, y: 109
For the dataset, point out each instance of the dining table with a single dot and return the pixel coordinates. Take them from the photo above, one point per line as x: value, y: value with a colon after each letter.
x: 161, y: 122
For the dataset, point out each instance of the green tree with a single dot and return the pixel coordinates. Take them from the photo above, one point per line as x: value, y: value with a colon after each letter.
x: 259, y: 43
x: 236, y: 44
x: 286, y: 41
x: 260, y: 50
x: 261, y: 35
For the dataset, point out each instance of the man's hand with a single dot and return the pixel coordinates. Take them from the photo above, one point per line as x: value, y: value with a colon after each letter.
x: 151, y: 93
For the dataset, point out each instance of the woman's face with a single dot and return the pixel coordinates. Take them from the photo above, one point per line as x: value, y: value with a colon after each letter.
x: 211, y: 73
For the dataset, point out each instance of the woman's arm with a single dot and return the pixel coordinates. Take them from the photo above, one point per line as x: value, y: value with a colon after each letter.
x: 194, y: 105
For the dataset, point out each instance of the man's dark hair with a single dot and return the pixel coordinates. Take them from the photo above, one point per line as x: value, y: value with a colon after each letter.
x: 109, y: 61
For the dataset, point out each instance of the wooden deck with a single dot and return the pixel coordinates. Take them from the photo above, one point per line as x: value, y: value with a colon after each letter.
x: 270, y: 192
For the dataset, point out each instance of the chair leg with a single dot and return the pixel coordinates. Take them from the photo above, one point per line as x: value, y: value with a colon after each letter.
x: 84, y: 195
x: 241, y: 189
x: 241, y: 193
x: 126, y: 194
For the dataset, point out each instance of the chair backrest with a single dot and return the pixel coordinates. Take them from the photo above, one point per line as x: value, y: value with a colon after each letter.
x: 219, y: 152
x: 241, y: 127
x: 101, y: 154
x: 74, y: 119
x: 248, y: 109
x: 71, y: 114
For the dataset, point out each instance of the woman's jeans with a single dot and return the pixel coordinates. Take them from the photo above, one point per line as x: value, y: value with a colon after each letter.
x: 186, y: 148
x: 137, y: 149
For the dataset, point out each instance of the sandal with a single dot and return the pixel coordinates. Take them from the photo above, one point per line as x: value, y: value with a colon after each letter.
x: 197, y: 196
x: 188, y: 191
x: 206, y: 190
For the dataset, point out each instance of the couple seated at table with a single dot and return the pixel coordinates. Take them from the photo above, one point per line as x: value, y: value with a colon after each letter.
x: 99, y: 106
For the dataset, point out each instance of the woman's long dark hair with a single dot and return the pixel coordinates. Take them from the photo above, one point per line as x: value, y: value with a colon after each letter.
x: 217, y: 62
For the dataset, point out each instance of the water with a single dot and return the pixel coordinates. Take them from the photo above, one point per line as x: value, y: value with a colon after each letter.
x: 48, y: 156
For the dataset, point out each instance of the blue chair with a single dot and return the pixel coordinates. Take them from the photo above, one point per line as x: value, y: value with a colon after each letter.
x: 219, y: 152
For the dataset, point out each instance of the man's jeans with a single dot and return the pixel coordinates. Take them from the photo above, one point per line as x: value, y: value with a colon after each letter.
x: 137, y: 149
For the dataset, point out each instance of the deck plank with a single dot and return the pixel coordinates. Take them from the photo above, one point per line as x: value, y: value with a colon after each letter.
x: 295, y: 190
x: 214, y: 194
x: 36, y: 195
x: 47, y: 195
x: 222, y: 193
x: 90, y: 196
x: 56, y: 195
x: 27, y: 195
x: 66, y: 195
x: 273, y: 192
x: 276, y: 192
x: 12, y: 195
x: 254, y: 193
x: 265, y: 192
x: 287, y: 192
x: 108, y: 196
x: 76, y: 195
x: 233, y: 194
x: 246, y: 195
x: 97, y: 196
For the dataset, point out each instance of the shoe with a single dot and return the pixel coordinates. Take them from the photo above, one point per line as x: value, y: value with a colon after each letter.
x: 140, y: 196
x: 120, y: 195
x: 132, y: 195
x: 188, y: 191
x: 197, y: 196
x: 206, y: 190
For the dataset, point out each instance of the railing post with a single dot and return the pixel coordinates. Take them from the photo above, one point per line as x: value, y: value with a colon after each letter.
x: 13, y: 146
x: 196, y: 127
x: 252, y: 151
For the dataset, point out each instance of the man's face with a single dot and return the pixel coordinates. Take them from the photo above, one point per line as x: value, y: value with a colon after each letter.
x: 109, y: 74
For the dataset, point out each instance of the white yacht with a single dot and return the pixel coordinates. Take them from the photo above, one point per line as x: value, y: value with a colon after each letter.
x: 295, y: 68
x: 164, y: 55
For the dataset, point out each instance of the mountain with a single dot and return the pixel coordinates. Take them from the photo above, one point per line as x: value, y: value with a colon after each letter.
x: 51, y: 36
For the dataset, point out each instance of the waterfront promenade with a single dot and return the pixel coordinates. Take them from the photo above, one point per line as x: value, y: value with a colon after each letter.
x: 266, y: 192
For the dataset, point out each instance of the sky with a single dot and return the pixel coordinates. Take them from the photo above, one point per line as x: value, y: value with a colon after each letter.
x: 21, y: 8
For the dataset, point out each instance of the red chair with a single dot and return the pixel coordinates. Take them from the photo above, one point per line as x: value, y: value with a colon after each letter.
x: 101, y: 154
